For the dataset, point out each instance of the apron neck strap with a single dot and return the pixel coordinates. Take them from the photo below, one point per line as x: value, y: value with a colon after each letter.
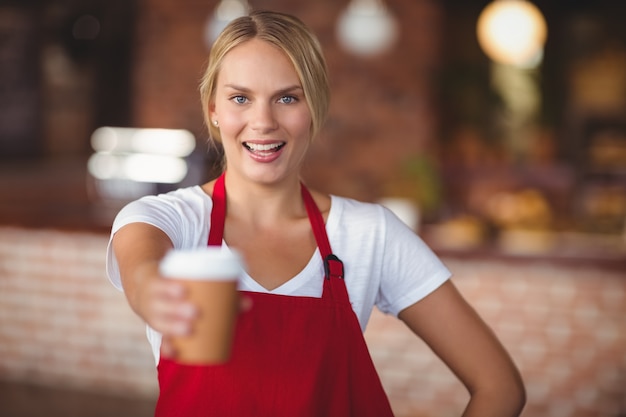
x: 218, y: 212
x: 332, y: 265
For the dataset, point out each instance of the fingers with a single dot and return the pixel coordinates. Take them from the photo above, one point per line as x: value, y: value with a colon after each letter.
x: 245, y: 304
x: 167, y: 348
x: 167, y: 309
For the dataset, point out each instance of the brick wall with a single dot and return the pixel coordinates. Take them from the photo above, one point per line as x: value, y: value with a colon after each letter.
x: 565, y: 327
x: 62, y: 324
x: 380, y: 112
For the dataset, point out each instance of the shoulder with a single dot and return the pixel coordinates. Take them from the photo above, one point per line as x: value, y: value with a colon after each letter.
x: 356, y: 225
x: 189, y: 202
x: 358, y: 206
x: 189, y: 196
x: 354, y: 211
x: 374, y: 224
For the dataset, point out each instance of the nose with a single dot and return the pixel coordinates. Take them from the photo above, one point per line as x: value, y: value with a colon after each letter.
x: 263, y: 117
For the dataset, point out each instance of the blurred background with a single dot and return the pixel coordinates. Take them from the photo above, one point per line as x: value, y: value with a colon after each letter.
x: 496, y: 129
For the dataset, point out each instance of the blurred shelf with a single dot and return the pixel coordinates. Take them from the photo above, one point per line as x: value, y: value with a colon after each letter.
x: 50, y: 194
x: 572, y: 248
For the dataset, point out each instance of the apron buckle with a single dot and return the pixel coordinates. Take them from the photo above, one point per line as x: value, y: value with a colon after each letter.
x: 333, y: 266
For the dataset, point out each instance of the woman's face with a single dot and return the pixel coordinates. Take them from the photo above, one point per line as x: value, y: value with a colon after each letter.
x: 263, y: 117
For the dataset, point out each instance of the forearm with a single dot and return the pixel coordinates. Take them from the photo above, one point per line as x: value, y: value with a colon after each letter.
x: 136, y: 284
x: 138, y: 249
x: 161, y: 303
x: 455, y: 332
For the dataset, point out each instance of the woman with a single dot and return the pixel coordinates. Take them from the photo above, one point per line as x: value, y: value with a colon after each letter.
x: 299, y: 348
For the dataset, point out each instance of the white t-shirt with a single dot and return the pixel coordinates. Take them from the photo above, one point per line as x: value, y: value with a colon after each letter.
x: 385, y: 263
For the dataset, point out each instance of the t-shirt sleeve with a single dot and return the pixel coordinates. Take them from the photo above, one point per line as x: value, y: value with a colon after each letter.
x: 411, y: 270
x: 177, y: 218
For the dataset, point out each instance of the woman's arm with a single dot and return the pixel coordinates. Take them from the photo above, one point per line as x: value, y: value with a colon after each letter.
x: 161, y: 303
x: 455, y: 332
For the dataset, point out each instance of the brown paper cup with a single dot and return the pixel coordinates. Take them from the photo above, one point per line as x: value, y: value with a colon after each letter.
x: 210, y: 275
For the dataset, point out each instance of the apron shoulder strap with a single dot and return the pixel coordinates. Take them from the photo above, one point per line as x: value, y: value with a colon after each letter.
x: 333, y: 267
x: 218, y: 212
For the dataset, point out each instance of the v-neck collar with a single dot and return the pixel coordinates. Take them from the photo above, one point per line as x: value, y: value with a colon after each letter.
x: 315, y: 264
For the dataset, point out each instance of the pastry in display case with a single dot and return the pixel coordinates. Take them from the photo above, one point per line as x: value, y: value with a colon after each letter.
x: 601, y: 194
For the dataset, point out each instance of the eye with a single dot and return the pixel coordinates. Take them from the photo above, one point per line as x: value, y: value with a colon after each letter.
x: 239, y: 99
x: 288, y: 99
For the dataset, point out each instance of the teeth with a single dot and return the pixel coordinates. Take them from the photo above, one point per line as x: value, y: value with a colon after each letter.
x: 260, y: 147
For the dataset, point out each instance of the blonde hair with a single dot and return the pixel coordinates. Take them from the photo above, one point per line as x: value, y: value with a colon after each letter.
x: 290, y: 35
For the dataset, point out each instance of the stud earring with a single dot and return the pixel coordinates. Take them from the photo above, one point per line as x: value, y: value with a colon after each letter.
x: 215, y: 123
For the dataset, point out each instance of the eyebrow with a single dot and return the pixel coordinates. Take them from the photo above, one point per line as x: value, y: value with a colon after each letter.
x: 279, y: 92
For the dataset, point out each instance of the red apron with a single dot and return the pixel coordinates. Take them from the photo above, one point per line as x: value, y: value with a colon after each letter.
x: 292, y: 356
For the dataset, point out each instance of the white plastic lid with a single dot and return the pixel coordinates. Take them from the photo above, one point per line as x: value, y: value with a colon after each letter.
x: 202, y: 263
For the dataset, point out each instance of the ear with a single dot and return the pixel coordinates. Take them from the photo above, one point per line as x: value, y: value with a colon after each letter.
x: 211, y: 111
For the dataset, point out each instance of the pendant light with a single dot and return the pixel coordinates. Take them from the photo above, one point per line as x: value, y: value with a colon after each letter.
x: 366, y: 27
x: 512, y: 32
x: 225, y: 12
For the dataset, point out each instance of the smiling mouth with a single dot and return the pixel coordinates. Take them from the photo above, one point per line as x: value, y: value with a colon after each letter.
x: 264, y: 149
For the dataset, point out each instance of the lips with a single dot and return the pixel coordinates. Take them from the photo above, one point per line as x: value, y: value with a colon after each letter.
x: 266, y: 151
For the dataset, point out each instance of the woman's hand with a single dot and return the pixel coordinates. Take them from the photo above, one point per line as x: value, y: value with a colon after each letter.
x: 164, y: 305
x: 161, y: 302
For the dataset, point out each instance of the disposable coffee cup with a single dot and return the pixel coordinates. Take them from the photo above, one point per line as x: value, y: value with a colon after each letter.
x: 210, y: 275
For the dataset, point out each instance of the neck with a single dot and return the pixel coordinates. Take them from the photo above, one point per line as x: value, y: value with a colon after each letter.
x: 264, y: 204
